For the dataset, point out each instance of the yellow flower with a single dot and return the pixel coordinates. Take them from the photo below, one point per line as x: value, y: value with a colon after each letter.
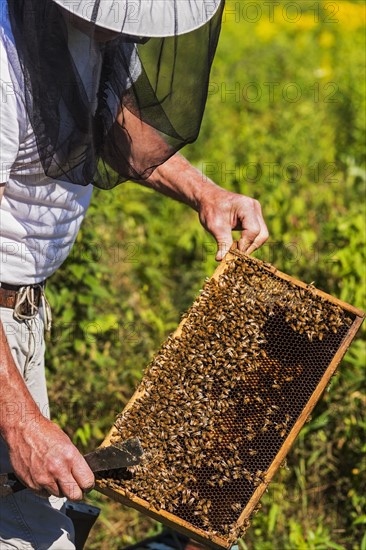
x: 266, y: 30
x: 326, y: 39
x: 306, y: 22
x: 350, y: 16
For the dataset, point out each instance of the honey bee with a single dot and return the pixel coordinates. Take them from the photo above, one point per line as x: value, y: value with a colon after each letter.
x: 236, y: 507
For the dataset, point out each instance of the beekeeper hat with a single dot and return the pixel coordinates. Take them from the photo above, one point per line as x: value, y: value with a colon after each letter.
x: 148, y: 18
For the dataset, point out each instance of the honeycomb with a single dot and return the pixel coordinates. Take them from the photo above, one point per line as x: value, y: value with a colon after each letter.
x: 220, y: 398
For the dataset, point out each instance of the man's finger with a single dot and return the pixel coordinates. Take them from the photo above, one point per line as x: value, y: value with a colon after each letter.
x: 223, y: 246
x: 259, y: 241
x: 45, y: 486
x: 254, y: 232
x: 70, y: 489
x: 249, y: 234
x: 263, y: 232
x: 221, y: 231
x: 83, y: 474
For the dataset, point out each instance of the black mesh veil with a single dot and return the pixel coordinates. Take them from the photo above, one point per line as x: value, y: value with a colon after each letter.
x: 104, y: 112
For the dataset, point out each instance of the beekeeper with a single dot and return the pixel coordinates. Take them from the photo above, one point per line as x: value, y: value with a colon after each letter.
x: 92, y: 93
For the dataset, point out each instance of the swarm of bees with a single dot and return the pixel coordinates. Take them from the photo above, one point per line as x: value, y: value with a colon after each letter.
x: 221, y: 396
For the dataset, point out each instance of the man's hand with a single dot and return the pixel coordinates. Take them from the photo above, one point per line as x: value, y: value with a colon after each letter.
x: 45, y: 460
x: 42, y: 455
x: 221, y: 212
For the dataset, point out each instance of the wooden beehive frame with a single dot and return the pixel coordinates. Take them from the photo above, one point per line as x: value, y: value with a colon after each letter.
x: 183, y: 526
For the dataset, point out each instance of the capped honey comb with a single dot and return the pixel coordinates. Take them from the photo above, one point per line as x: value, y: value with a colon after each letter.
x: 226, y: 395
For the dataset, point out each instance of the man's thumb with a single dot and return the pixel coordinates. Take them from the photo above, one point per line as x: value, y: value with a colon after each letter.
x: 223, y: 246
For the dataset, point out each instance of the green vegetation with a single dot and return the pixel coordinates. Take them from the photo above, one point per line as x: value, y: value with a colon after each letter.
x: 284, y: 123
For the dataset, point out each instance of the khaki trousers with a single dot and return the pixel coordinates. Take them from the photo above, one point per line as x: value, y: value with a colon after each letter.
x: 28, y: 521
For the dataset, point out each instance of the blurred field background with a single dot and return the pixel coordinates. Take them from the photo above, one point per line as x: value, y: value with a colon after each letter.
x: 284, y: 123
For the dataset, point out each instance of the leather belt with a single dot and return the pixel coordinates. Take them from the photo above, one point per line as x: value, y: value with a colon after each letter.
x: 9, y: 295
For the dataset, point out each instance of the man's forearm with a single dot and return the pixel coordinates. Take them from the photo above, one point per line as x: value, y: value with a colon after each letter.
x: 16, y: 403
x: 178, y: 179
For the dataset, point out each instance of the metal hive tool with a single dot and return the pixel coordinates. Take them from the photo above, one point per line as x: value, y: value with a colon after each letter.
x: 226, y: 395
